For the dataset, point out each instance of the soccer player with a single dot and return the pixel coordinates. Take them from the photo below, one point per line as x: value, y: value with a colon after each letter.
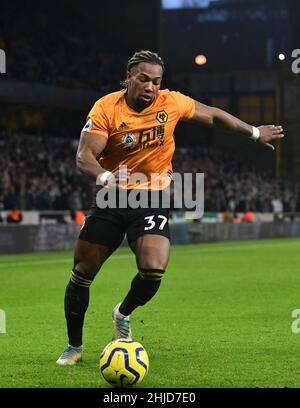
x: 134, y: 127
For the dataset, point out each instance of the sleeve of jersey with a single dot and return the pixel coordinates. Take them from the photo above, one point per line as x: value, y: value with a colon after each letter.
x: 97, y: 121
x: 186, y: 105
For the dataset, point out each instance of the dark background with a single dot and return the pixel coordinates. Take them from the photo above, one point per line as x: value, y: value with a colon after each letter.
x: 63, y: 56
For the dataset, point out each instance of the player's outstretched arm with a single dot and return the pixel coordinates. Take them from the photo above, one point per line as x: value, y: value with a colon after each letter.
x: 210, y: 116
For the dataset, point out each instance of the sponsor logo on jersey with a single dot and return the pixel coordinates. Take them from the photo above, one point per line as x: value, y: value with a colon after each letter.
x: 129, y: 139
x: 148, y: 138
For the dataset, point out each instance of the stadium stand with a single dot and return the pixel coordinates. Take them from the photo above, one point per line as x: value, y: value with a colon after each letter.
x: 39, y: 173
x: 65, y: 54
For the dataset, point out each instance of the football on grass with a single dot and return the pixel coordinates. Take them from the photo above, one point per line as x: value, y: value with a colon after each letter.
x: 124, y: 363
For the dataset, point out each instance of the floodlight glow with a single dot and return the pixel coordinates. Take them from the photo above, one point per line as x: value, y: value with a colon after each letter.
x: 200, y: 59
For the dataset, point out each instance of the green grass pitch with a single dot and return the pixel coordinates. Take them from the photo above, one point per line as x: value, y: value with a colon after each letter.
x: 222, y: 317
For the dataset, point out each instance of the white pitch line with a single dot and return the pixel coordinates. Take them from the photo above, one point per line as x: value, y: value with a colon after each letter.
x: 183, y: 251
x: 49, y: 262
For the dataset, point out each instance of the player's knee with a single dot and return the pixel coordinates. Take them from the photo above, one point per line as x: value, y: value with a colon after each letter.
x: 148, y: 263
x: 80, y: 279
x: 87, y: 259
x: 151, y: 274
x: 88, y: 269
x: 152, y: 258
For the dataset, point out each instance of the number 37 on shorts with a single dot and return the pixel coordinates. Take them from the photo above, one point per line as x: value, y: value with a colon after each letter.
x: 155, y: 222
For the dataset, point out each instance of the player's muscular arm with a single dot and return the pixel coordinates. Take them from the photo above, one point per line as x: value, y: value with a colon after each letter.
x: 90, y: 147
x: 211, y: 116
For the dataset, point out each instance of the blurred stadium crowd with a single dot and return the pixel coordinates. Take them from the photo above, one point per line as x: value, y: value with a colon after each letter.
x: 39, y: 172
x: 64, y: 53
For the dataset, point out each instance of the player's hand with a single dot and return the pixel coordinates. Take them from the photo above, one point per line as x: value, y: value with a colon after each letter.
x: 269, y: 133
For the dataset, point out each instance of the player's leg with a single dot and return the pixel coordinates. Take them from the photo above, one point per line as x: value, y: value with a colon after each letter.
x: 97, y: 241
x: 88, y: 259
x: 148, y: 237
x: 152, y: 255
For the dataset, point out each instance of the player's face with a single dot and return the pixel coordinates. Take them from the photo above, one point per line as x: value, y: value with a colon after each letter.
x: 143, y: 84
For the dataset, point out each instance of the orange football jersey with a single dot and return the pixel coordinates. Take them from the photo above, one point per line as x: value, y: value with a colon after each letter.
x: 143, y: 141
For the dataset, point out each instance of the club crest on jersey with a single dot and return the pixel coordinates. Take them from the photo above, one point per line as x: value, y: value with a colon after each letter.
x: 129, y: 139
x: 162, y: 116
x: 88, y: 126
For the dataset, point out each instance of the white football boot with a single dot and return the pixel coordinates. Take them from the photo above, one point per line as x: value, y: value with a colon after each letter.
x: 122, y: 329
x: 70, y: 356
